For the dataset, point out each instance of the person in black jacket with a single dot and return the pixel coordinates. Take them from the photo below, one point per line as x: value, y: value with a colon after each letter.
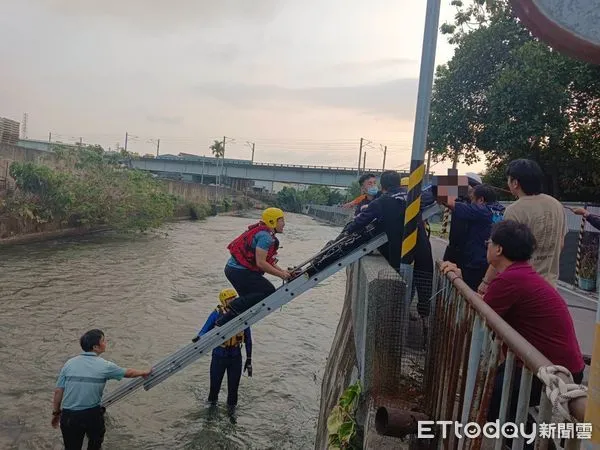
x: 388, y: 210
x: 457, y: 236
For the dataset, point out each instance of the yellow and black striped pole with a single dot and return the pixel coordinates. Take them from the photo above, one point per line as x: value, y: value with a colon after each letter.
x: 413, y: 209
x: 417, y: 166
x: 579, y: 247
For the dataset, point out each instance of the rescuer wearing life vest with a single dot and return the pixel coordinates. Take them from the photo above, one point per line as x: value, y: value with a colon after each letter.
x: 228, y: 356
x: 253, y: 254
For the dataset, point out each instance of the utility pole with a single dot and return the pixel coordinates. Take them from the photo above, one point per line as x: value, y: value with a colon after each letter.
x: 384, y: 154
x: 359, y: 156
x: 49, y: 137
x: 25, y: 117
x: 364, y: 160
x: 157, y: 148
x: 426, y: 72
x: 126, y: 136
x: 80, y: 141
x: 251, y: 145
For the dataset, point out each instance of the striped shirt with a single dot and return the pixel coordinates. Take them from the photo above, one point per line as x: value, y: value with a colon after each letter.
x: 83, y: 378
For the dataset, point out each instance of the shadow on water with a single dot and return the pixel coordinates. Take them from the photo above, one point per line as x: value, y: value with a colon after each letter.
x: 151, y: 293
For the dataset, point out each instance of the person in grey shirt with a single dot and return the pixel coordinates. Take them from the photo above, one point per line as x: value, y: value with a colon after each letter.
x: 78, y: 394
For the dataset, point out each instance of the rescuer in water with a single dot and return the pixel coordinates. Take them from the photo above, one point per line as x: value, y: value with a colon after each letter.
x: 253, y: 254
x: 228, y: 356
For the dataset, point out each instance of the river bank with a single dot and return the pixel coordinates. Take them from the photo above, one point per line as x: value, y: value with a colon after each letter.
x: 85, y: 191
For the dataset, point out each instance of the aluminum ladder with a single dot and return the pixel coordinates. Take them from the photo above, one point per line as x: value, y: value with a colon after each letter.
x: 330, y: 260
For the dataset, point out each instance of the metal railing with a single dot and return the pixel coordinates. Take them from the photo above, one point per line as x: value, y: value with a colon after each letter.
x: 466, y: 344
x: 213, y: 160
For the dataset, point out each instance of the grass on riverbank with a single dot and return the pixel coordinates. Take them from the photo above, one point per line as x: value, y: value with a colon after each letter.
x: 87, y: 188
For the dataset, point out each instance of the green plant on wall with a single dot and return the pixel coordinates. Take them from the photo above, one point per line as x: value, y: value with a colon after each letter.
x: 341, y: 424
x: 589, y: 263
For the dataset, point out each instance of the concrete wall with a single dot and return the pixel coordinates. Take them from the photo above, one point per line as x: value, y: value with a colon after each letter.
x: 369, y: 345
x: 16, y: 153
x: 331, y: 214
x: 199, y: 192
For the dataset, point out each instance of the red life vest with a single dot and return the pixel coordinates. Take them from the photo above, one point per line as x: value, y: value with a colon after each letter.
x: 241, y: 247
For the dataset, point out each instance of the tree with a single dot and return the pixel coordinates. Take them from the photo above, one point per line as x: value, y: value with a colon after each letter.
x: 217, y: 149
x: 459, y: 98
x: 507, y: 95
x: 353, y: 191
x: 288, y: 199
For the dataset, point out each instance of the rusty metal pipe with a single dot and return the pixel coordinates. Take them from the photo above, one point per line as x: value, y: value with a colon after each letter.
x: 532, y: 358
x: 397, y: 422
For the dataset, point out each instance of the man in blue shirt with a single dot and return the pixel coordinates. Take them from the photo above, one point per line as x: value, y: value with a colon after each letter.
x: 78, y: 393
x: 253, y: 253
x: 479, y: 216
x: 228, y: 356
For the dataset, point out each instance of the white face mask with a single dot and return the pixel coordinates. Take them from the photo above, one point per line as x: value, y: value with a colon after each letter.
x: 373, y: 190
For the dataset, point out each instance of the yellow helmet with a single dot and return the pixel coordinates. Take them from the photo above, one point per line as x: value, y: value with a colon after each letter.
x: 227, y: 294
x: 404, y: 181
x: 270, y: 216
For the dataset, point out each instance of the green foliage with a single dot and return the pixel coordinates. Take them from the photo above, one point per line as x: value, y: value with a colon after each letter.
x: 353, y: 191
x: 289, y: 199
x: 217, y: 149
x: 226, y: 204
x: 589, y: 256
x: 589, y: 264
x: 292, y: 200
x: 508, y: 96
x: 341, y: 426
x: 88, y: 190
x: 194, y: 210
x: 471, y: 14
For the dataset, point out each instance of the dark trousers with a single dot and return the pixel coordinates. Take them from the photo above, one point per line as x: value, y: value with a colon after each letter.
x: 232, y: 364
x: 423, y: 272
x: 472, y: 276
x: 252, y: 287
x: 534, y: 398
x: 76, y: 424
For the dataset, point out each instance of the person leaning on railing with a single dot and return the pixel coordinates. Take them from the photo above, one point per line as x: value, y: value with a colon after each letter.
x: 530, y: 305
x: 593, y: 219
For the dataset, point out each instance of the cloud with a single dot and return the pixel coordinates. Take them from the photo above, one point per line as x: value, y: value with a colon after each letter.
x: 391, y: 99
x: 377, y: 64
x: 165, y: 120
x: 159, y: 16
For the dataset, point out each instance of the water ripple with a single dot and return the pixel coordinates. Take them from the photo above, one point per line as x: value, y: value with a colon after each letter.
x: 150, y: 293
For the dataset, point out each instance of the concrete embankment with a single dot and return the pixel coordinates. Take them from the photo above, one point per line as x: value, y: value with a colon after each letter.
x: 376, y: 344
x: 332, y: 214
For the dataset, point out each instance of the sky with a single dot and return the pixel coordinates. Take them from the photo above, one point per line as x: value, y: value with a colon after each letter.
x: 303, y: 81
